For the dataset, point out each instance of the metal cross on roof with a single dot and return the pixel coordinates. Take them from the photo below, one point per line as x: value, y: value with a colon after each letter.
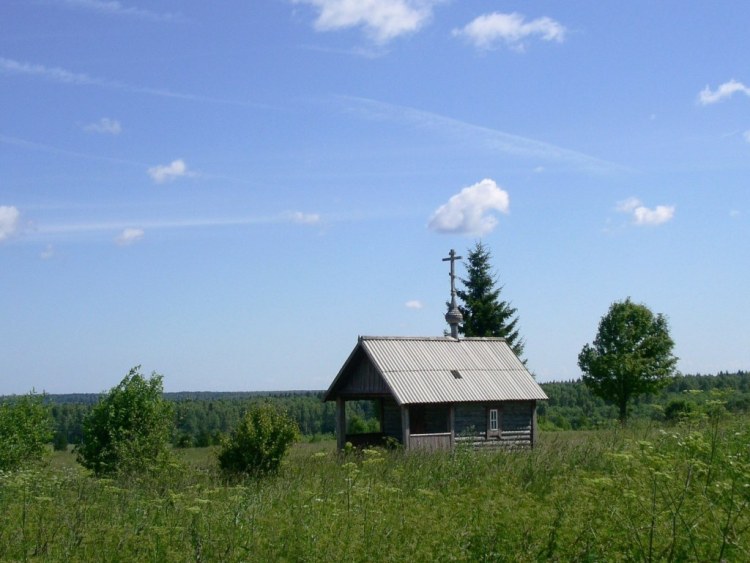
x: 452, y: 257
x: 453, y: 317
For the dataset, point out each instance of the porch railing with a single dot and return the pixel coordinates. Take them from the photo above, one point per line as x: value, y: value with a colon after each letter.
x: 430, y: 442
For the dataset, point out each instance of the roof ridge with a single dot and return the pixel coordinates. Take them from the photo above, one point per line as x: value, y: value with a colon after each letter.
x: 435, y: 338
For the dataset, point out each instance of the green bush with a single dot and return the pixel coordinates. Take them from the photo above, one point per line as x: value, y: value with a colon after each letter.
x: 678, y: 408
x: 129, y: 430
x: 259, y: 443
x: 25, y: 430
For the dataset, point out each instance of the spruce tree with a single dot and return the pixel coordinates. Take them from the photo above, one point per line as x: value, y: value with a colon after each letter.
x: 485, y: 314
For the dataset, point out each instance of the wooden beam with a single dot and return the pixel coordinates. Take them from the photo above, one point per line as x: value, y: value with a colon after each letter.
x: 405, y: 425
x: 452, y: 418
x: 340, y: 422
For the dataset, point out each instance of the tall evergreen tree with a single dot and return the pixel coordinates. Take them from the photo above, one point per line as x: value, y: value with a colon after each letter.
x: 485, y: 314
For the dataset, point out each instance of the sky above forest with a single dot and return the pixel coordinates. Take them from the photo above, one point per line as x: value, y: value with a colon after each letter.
x: 229, y: 193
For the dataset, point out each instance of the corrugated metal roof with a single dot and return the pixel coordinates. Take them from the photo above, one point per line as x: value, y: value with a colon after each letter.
x: 419, y: 370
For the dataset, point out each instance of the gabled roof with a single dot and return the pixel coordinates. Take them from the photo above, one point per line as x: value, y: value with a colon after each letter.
x: 442, y: 370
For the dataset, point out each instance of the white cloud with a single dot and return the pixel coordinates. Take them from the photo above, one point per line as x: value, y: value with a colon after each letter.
x: 8, y: 221
x: 488, y: 30
x: 656, y: 216
x: 746, y: 135
x: 628, y: 205
x: 168, y: 172
x: 104, y: 125
x: 303, y: 218
x: 414, y: 304
x: 114, y: 8
x: 129, y: 236
x: 726, y: 90
x: 470, y: 210
x: 642, y: 215
x: 383, y: 20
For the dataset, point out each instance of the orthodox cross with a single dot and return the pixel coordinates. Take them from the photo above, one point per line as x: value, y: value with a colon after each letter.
x: 452, y: 257
x: 453, y: 316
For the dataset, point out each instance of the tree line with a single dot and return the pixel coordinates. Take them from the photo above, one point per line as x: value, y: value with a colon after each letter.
x: 201, y: 419
x: 573, y: 405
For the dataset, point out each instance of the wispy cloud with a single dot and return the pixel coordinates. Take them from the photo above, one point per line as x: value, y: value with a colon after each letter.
x: 490, y: 30
x: 303, y: 218
x: 125, y: 227
x: 114, y: 8
x: 724, y: 91
x: 8, y: 221
x: 488, y: 139
x: 64, y: 76
x: 129, y: 236
x: 642, y: 215
x: 414, y: 304
x: 746, y: 135
x: 382, y: 20
x: 169, y: 172
x: 32, y: 145
x: 104, y: 125
x: 471, y: 211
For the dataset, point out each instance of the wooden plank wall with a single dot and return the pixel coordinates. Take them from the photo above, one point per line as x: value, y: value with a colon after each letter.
x: 515, y: 424
x: 364, y: 380
x: 430, y: 442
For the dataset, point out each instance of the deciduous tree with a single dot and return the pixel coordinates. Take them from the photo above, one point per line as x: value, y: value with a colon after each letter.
x: 130, y: 429
x: 631, y: 355
x: 25, y: 430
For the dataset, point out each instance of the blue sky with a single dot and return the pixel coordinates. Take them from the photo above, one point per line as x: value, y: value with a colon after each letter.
x: 229, y: 193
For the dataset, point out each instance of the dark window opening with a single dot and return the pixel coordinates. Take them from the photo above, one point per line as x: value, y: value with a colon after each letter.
x: 429, y: 419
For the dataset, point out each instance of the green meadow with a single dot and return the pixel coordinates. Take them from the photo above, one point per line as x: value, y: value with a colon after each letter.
x: 647, y: 492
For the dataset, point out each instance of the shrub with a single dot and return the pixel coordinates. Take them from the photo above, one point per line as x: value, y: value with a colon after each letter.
x: 129, y: 429
x: 25, y: 430
x: 259, y: 443
x: 678, y: 408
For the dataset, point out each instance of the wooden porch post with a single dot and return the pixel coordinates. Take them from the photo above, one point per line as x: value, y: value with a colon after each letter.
x: 533, y: 424
x: 452, y: 422
x: 381, y: 415
x: 340, y: 423
x: 405, y: 425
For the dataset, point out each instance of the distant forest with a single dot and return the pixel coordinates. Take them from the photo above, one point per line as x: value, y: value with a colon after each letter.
x: 571, y: 405
x: 201, y: 418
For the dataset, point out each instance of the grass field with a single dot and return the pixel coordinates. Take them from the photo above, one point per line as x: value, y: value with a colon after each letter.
x: 638, y: 494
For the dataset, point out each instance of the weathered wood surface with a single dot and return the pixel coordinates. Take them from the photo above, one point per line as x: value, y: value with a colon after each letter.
x: 365, y: 381
x: 430, y: 442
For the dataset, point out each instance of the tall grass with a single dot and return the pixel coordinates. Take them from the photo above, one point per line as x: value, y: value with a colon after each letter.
x: 642, y: 493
